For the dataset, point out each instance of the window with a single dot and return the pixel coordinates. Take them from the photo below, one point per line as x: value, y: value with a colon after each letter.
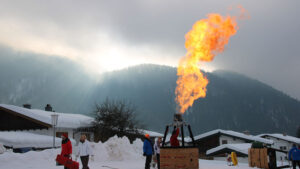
x: 282, y: 147
x: 224, y: 141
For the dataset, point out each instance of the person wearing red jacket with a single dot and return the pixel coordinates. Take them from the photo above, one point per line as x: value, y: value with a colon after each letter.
x: 66, y: 146
x: 173, y: 140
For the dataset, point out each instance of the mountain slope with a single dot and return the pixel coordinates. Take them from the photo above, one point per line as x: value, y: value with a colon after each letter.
x: 233, y: 101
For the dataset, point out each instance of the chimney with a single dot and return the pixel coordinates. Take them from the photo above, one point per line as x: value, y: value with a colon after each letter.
x: 247, y: 132
x: 284, y: 134
x: 27, y: 106
x: 48, y: 107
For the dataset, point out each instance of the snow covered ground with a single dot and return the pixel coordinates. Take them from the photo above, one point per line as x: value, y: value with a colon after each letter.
x: 116, y: 153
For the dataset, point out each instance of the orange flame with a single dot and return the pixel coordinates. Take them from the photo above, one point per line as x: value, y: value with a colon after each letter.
x: 206, y: 39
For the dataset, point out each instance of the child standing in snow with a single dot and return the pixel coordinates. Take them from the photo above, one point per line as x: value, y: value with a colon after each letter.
x: 228, y: 159
x: 66, y: 147
x: 84, y: 151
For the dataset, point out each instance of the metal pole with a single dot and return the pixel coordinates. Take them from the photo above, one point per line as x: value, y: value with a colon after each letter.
x: 165, y: 136
x: 182, y: 135
x: 191, y: 135
x: 53, y: 136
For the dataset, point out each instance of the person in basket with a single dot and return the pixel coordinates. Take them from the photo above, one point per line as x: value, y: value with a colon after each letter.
x: 66, y: 146
x: 173, y: 140
x: 84, y: 151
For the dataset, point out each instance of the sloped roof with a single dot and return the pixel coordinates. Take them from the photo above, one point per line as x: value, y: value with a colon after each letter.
x: 19, y: 139
x: 239, y: 148
x: 65, y: 120
x: 283, y: 137
x: 233, y: 134
x: 151, y: 133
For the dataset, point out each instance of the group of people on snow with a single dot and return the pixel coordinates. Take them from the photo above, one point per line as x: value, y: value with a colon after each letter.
x: 84, y: 150
x: 151, y: 150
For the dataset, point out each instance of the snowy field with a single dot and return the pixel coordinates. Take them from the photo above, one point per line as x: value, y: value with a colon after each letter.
x: 116, y: 153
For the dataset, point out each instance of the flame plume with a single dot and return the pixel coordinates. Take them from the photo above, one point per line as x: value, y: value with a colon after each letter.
x: 206, y: 39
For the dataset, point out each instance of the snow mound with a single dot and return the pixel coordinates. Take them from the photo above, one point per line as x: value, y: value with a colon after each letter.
x: 2, y: 148
x: 115, y: 149
x: 20, y: 139
x: 118, y: 149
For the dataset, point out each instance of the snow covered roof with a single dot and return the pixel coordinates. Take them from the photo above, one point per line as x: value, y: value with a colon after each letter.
x: 65, y: 120
x: 233, y: 134
x: 240, y: 148
x: 282, y: 137
x: 151, y: 133
x: 18, y: 139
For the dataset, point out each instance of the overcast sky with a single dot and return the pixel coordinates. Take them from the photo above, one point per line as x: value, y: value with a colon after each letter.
x: 105, y: 35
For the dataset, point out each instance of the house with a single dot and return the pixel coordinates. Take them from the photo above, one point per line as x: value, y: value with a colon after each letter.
x: 218, y: 137
x: 219, y: 153
x: 281, y: 141
x: 27, y: 120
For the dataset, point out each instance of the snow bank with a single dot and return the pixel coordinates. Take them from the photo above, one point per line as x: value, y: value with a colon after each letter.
x: 2, y: 148
x: 20, y: 139
x: 115, y: 149
x: 118, y: 149
x: 121, y: 153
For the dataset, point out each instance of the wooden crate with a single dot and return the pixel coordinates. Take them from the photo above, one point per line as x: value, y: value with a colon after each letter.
x: 179, y: 158
x: 258, y: 157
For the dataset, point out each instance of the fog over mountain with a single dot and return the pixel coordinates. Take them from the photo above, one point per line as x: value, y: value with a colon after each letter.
x: 233, y: 100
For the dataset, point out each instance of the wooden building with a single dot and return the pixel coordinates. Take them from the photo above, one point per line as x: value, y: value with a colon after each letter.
x: 218, y: 137
x: 281, y: 142
x: 14, y: 118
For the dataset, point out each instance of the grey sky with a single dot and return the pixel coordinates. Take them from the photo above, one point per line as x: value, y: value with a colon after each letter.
x: 107, y: 35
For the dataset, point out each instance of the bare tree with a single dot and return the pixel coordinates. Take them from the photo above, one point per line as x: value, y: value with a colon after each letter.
x: 115, y: 117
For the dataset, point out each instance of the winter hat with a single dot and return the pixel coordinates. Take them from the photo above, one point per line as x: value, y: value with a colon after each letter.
x: 65, y: 135
x: 147, y: 135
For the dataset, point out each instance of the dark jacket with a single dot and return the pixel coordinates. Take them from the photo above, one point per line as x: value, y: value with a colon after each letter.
x: 294, y: 154
x: 66, y: 147
x: 173, y: 140
x: 148, y: 147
